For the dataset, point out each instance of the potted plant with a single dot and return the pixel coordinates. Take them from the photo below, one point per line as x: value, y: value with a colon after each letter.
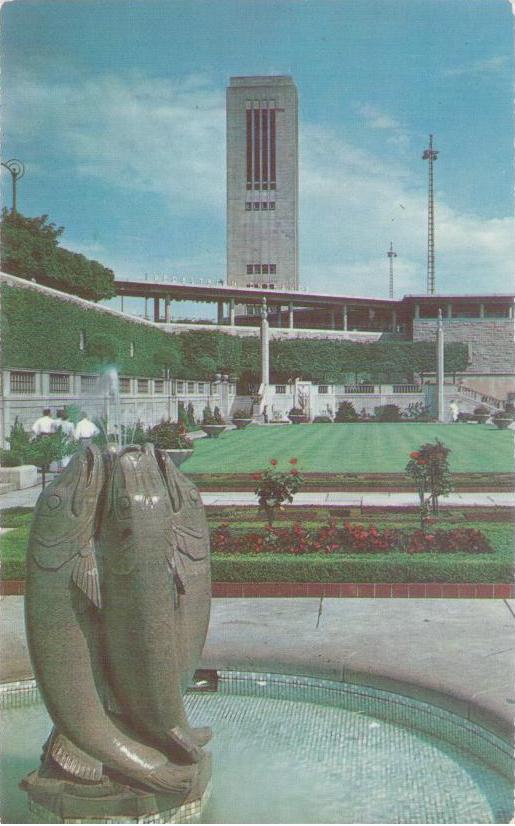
x: 212, y: 422
x: 241, y: 418
x: 481, y: 413
x: 171, y: 437
x: 297, y: 415
x: 503, y: 418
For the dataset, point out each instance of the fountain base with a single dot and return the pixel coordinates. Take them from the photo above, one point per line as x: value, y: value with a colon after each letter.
x: 58, y: 800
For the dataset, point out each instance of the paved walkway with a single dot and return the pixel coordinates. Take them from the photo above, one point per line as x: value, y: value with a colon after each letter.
x: 27, y: 498
x: 455, y: 653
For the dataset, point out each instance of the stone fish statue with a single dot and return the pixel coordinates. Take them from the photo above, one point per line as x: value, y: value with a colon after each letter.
x: 117, y: 610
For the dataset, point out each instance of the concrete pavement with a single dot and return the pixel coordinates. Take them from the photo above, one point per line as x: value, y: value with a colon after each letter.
x: 27, y: 498
x: 454, y: 653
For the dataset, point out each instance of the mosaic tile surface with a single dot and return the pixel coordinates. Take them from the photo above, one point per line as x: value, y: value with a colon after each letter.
x: 289, y: 749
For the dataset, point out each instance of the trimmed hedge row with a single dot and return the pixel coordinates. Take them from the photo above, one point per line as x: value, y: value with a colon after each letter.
x: 41, y: 332
x: 392, y: 567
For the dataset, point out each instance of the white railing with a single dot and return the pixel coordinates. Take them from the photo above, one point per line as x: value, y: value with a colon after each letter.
x: 482, y: 398
x: 406, y: 388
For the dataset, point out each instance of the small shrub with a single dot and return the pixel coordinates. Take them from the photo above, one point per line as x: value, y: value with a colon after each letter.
x: 169, y: 435
x: 322, y: 420
x: 346, y: 413
x: 274, y: 487
x: 241, y: 413
x: 387, y: 413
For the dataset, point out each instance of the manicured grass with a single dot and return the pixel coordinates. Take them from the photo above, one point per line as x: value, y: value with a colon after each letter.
x: 352, y: 448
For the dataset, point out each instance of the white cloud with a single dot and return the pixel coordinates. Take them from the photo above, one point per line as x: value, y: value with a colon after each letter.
x: 354, y: 204
x: 167, y: 138
x: 488, y: 65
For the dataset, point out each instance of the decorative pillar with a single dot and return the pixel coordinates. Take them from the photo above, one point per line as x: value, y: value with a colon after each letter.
x: 394, y: 321
x: 290, y: 315
x: 265, y: 346
x: 417, y: 312
x: 440, y: 370
x: 345, y: 318
x: 333, y: 320
x: 168, y: 310
x: 481, y: 310
x: 231, y: 312
x: 449, y: 310
x: 121, y: 303
x: 156, y: 308
x: 146, y: 307
x: 510, y: 311
x: 220, y: 312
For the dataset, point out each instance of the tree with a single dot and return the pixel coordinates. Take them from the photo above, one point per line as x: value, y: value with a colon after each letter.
x: 30, y: 249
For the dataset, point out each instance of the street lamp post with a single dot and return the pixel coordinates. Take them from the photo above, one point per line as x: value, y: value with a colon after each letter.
x: 17, y: 171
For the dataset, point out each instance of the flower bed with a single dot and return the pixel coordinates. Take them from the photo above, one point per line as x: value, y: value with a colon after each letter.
x: 355, y: 539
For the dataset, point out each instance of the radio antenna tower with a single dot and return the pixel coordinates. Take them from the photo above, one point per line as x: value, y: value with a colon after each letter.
x: 391, y: 255
x: 430, y: 155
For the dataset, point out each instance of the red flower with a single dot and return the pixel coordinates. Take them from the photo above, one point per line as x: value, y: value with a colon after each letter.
x: 273, y: 462
x: 415, y: 454
x: 256, y: 476
x: 293, y: 461
x: 294, y: 472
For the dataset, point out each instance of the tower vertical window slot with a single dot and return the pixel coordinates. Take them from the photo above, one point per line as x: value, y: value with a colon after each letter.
x: 264, y: 125
x: 249, y: 148
x: 257, y: 148
x: 272, y: 148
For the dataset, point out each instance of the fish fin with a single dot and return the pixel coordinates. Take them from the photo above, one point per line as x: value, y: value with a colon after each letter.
x: 74, y: 761
x: 85, y: 576
x: 110, y: 702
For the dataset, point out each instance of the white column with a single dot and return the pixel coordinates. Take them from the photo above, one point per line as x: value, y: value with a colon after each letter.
x: 265, y: 348
x: 440, y: 370
x: 232, y: 314
x: 146, y: 307
x: 481, y: 310
x: 121, y: 303
x: 449, y: 310
x: 417, y: 311
x: 168, y: 310
x: 345, y: 317
x: 394, y: 321
x: 290, y: 315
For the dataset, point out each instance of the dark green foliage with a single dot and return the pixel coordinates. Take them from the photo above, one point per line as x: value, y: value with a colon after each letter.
x: 168, y: 435
x: 190, y: 415
x: 182, y: 416
x: 43, y: 334
x: 102, y: 348
x: 355, y: 568
x: 30, y: 249
x: 346, y: 413
x: 387, y: 413
x: 322, y: 420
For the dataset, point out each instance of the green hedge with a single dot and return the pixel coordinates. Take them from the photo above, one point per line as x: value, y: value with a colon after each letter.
x: 392, y: 567
x: 41, y: 332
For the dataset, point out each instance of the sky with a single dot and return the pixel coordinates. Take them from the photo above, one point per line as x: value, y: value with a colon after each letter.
x: 117, y: 108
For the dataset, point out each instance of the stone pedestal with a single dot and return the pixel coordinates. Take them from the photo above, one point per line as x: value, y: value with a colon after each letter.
x: 58, y: 800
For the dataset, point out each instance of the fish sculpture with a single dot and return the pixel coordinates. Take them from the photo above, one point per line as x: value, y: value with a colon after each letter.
x: 147, y: 642
x: 103, y: 622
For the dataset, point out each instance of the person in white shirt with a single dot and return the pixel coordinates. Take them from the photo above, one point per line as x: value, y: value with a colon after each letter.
x: 45, y: 425
x: 85, y: 429
x: 68, y: 430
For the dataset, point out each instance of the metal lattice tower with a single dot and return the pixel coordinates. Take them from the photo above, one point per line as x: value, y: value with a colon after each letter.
x: 391, y: 255
x: 430, y: 155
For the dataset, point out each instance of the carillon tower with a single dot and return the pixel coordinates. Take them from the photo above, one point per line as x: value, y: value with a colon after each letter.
x: 262, y: 182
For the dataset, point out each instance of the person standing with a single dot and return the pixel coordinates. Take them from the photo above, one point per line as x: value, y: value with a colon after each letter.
x: 45, y: 425
x: 85, y: 429
x: 68, y: 430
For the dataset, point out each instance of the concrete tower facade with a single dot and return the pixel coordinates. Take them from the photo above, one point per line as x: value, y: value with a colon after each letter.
x: 262, y: 182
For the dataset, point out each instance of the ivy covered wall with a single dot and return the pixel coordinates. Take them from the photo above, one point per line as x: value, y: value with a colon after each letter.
x: 43, y: 332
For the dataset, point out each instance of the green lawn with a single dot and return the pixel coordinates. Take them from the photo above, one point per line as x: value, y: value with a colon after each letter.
x: 352, y: 448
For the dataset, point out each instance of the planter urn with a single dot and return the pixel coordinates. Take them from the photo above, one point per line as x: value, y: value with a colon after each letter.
x: 502, y: 423
x: 481, y: 417
x: 178, y: 455
x: 241, y: 424
x: 213, y: 430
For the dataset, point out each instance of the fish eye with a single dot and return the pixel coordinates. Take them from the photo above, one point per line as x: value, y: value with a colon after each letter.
x: 53, y: 501
x: 124, y: 502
